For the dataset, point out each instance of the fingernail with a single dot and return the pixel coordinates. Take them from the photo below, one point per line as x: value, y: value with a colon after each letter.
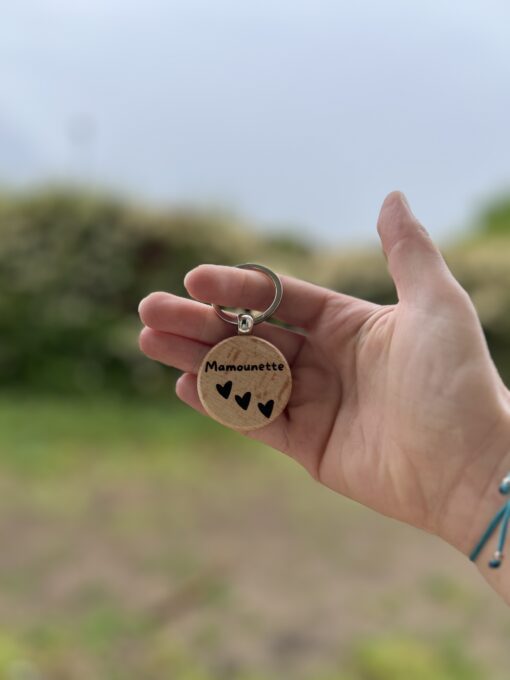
x: 408, y: 207
x: 406, y: 204
x: 186, y: 278
x: 405, y: 201
x: 140, y: 304
x: 178, y: 384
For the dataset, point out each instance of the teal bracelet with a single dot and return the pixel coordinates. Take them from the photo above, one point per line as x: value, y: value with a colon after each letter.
x: 502, y: 516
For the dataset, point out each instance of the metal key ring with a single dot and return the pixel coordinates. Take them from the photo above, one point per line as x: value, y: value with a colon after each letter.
x: 231, y: 317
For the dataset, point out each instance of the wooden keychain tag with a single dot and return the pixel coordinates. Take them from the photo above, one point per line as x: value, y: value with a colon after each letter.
x: 244, y: 382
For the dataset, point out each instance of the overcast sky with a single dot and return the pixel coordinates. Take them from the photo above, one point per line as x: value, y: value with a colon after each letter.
x: 292, y: 113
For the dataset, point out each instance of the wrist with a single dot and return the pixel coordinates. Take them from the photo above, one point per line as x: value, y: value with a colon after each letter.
x: 475, y: 497
x: 473, y: 504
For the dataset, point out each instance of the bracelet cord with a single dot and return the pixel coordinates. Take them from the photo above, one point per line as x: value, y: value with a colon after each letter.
x: 502, y: 518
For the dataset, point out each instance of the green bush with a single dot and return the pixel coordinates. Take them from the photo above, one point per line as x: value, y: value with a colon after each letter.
x: 74, y: 265
x: 495, y: 217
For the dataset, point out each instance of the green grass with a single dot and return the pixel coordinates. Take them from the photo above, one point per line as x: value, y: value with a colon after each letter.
x: 52, y: 435
x: 141, y: 540
x: 106, y: 424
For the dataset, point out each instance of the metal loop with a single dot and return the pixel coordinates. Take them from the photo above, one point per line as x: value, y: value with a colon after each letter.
x: 245, y: 323
x: 230, y: 317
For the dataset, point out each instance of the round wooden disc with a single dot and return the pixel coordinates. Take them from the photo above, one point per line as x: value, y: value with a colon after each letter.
x: 244, y: 382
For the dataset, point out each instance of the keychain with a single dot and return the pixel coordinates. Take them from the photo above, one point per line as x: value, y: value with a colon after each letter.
x: 244, y: 382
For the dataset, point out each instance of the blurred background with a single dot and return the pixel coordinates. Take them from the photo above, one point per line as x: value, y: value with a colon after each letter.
x: 137, y: 140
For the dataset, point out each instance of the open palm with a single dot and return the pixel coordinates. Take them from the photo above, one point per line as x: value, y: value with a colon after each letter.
x: 399, y: 407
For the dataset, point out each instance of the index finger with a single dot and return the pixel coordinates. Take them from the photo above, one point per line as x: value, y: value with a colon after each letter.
x: 302, y: 303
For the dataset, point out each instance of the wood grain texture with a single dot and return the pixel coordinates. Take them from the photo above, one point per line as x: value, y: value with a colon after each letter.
x: 244, y: 382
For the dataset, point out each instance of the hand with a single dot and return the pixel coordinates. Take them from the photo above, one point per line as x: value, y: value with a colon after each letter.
x: 399, y: 407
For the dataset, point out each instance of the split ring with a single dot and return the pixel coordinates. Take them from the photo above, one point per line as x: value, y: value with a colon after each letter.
x: 231, y: 317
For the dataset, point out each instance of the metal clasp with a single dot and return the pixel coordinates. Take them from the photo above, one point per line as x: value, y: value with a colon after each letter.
x: 245, y: 323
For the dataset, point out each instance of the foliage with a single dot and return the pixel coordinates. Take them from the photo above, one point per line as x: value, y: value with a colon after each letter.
x: 73, y: 268
x: 74, y: 265
x: 495, y: 218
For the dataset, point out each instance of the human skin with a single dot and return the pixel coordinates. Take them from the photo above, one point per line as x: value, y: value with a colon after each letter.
x: 399, y: 407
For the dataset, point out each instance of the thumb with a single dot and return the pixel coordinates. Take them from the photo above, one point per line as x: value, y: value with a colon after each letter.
x: 415, y: 263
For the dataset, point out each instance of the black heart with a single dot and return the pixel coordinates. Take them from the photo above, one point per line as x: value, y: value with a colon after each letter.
x: 267, y: 408
x: 225, y: 389
x: 244, y: 401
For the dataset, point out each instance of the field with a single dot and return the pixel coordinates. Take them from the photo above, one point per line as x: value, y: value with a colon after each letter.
x: 140, y: 540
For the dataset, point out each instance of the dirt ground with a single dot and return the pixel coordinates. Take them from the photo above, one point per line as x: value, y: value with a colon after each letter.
x: 231, y: 565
